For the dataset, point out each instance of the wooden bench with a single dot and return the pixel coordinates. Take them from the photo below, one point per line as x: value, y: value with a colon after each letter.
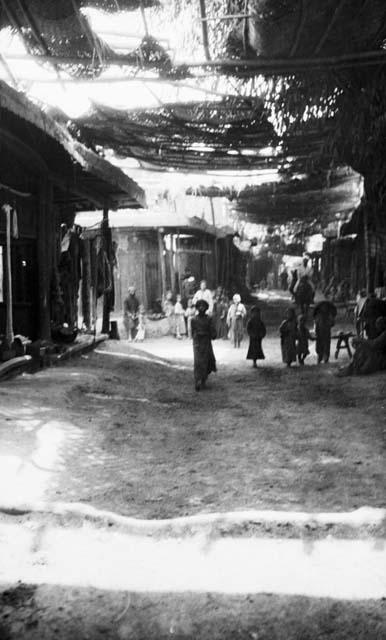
x: 343, y: 342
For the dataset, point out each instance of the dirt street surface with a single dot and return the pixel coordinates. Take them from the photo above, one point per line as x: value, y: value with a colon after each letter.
x: 123, y: 430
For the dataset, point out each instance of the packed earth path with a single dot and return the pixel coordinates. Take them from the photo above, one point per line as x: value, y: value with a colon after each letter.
x: 123, y: 430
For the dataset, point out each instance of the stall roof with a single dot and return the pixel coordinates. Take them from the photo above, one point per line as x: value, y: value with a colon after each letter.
x: 80, y: 176
x: 171, y: 222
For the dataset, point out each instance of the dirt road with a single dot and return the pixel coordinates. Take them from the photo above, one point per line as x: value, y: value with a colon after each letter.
x: 123, y: 430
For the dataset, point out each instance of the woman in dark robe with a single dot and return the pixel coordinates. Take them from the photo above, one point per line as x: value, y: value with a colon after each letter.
x: 256, y: 331
x: 288, y: 334
x: 324, y: 318
x: 222, y: 307
x: 203, y: 332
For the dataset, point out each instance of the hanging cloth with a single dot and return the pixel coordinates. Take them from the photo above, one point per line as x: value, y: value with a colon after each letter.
x: 15, y: 226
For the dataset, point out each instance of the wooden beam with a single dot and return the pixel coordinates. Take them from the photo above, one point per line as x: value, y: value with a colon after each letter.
x: 82, y: 192
x: 43, y: 241
x: 106, y: 234
x: 260, y: 64
x: 195, y: 251
x: 326, y: 33
x: 215, y: 241
x: 204, y: 26
x: 8, y: 271
x: 162, y: 264
x: 299, y: 30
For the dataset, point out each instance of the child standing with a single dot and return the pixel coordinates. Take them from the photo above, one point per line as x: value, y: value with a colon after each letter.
x: 189, y: 314
x: 168, y: 309
x: 303, y: 337
x: 179, y: 316
x: 141, y: 324
x: 256, y: 331
x: 288, y: 335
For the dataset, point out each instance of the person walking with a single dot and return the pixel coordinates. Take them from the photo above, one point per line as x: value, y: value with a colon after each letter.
x: 324, y: 318
x: 288, y: 335
x: 203, y: 332
x: 256, y: 331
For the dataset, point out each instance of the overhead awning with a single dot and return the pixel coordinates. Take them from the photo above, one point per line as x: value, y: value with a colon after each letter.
x: 80, y: 176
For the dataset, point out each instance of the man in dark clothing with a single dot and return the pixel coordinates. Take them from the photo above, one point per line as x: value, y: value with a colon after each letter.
x: 130, y: 314
x: 203, y: 332
x: 370, y: 354
x: 324, y: 318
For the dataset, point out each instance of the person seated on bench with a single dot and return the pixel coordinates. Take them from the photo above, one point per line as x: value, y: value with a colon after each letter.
x: 370, y: 354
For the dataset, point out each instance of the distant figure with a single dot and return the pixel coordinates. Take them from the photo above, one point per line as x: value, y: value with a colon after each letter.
x: 179, y: 318
x: 140, y: 335
x: 189, y: 314
x: 203, y: 332
x: 288, y: 334
x: 130, y: 314
x: 222, y: 307
x: 305, y: 269
x: 361, y: 300
x: 168, y: 309
x: 304, y: 294
x: 204, y: 294
x: 188, y: 282
x: 235, y: 320
x: 256, y: 331
x: 294, y: 280
x: 270, y: 280
x: 284, y: 280
x: 303, y: 338
x: 324, y: 318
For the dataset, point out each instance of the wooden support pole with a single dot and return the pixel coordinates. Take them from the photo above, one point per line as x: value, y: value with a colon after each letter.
x: 162, y: 264
x: 215, y: 242
x: 86, y: 284
x: 204, y: 26
x: 143, y: 14
x: 178, y: 262
x: 44, y: 262
x: 8, y: 272
x: 171, y: 262
x: 106, y: 235
x: 367, y: 249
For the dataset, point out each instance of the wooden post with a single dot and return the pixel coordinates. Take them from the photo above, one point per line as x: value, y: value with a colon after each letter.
x: 86, y: 284
x: 106, y: 235
x: 367, y: 248
x: 215, y: 242
x: 162, y: 264
x: 178, y: 258
x: 205, y: 38
x: 172, y: 272
x: 44, y: 263
x: 8, y: 272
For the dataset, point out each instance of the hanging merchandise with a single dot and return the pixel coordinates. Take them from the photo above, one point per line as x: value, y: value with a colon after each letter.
x: 15, y: 225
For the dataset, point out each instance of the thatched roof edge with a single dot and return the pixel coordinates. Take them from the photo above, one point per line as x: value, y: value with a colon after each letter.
x: 18, y: 104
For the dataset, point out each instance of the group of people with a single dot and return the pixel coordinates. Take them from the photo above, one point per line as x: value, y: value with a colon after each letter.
x: 295, y: 335
x: 207, y: 316
x: 228, y: 317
